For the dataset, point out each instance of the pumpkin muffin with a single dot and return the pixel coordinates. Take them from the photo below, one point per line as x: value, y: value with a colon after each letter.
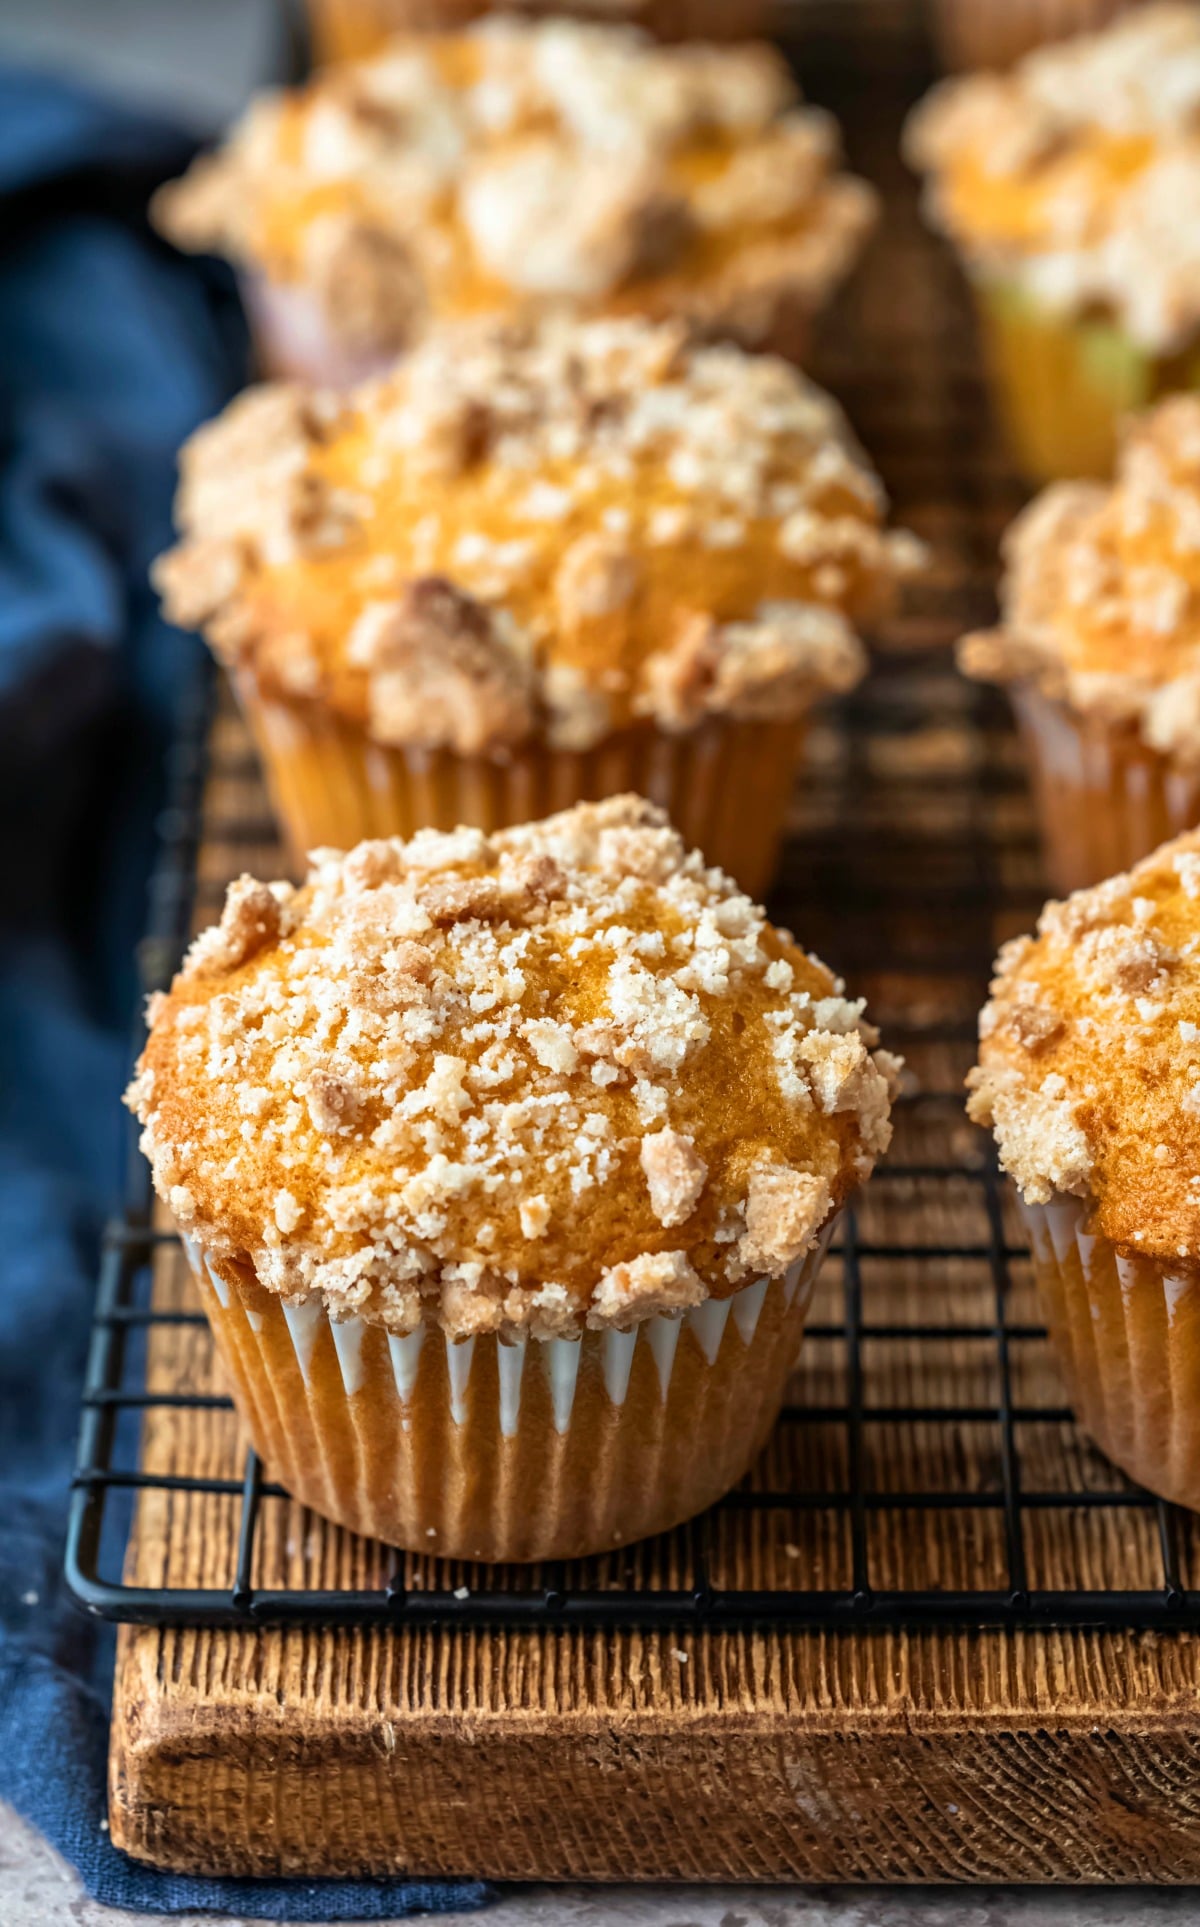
x: 1089, y: 1075
x: 532, y: 566
x: 522, y: 166
x: 1072, y: 189
x: 1100, y: 647
x: 506, y: 1165
x: 349, y: 29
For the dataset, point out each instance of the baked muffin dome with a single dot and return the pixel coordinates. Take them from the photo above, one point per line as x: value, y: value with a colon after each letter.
x: 548, y: 531
x: 1089, y: 1061
x: 522, y: 164
x: 1078, y: 174
x: 1101, y: 605
x: 558, y: 1077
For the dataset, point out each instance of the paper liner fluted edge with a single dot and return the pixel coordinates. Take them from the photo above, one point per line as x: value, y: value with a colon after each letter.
x: 726, y: 785
x: 1126, y: 1335
x: 481, y: 1449
x: 1105, y: 798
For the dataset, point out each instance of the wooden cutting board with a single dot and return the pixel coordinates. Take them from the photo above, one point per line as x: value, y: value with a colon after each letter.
x: 768, y: 1755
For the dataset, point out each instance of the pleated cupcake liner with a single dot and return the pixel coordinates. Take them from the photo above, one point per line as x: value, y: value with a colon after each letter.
x: 1105, y: 798
x: 483, y: 1449
x: 725, y: 785
x: 1126, y: 1334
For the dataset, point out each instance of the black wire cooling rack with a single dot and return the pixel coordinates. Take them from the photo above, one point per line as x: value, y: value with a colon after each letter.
x: 852, y: 901
x: 926, y: 1472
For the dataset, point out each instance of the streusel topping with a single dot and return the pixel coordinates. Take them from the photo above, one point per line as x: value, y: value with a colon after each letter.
x: 520, y: 164
x: 1090, y: 1055
x: 550, y: 530
x: 562, y: 1075
x: 1101, y: 604
x: 1079, y: 173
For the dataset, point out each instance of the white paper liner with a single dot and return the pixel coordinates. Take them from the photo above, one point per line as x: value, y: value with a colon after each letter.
x: 1106, y: 799
x: 1126, y: 1334
x: 535, y: 1449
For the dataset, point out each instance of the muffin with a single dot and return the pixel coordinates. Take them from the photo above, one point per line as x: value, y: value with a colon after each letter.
x: 995, y: 33
x: 1072, y: 189
x: 519, y: 167
x: 1089, y: 1075
x: 1100, y: 647
x: 532, y: 566
x: 506, y: 1165
x: 348, y: 29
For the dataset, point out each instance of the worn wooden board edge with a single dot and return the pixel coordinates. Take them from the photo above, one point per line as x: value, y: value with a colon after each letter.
x: 756, y: 1789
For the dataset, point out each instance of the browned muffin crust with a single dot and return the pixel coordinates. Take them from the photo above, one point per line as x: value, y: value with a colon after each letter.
x: 562, y: 1075
x: 524, y: 164
x: 1076, y: 177
x: 1089, y: 1068
x: 551, y: 531
x: 1101, y: 602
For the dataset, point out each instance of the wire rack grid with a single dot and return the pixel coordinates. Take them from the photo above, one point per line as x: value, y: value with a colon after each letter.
x: 926, y: 1471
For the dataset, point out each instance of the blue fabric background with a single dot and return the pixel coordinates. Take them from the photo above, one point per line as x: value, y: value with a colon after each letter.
x: 111, y: 350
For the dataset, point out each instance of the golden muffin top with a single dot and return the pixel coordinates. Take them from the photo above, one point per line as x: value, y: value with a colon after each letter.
x: 1101, y: 602
x: 1089, y: 1058
x: 557, y: 1076
x: 520, y: 164
x: 1078, y: 174
x: 539, y: 531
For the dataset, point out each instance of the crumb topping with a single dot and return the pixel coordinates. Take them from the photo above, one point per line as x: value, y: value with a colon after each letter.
x: 521, y: 163
x: 554, y: 529
x: 1079, y: 172
x: 558, y: 1076
x: 1089, y: 1058
x: 1101, y: 602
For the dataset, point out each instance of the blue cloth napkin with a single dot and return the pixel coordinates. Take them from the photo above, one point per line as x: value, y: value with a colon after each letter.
x: 111, y: 350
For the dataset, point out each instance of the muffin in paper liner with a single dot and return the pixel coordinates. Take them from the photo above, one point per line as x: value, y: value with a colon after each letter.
x: 485, y: 1449
x: 518, y: 166
x: 725, y: 785
x: 1126, y: 1334
x: 1098, y: 647
x: 994, y: 33
x: 1071, y: 188
x: 532, y: 567
x: 1089, y: 1078
x: 507, y: 1164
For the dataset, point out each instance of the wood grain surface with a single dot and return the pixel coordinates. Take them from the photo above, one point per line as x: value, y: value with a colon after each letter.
x: 963, y: 1756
